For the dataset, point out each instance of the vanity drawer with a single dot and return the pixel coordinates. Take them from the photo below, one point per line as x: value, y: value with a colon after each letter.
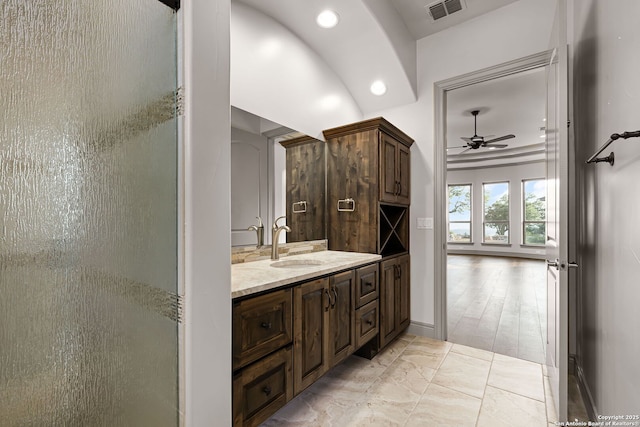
x: 261, y: 325
x: 366, y: 284
x: 259, y: 390
x: 366, y: 323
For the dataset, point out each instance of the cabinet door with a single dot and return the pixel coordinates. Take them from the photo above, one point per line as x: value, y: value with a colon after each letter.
x: 395, y: 299
x: 395, y: 171
x: 342, y: 317
x: 403, y: 174
x: 388, y: 273
x: 403, y: 294
x: 311, y: 319
x: 388, y: 168
x: 305, y: 176
x: 352, y: 173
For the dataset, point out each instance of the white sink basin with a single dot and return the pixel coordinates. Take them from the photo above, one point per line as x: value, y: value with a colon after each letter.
x: 296, y: 263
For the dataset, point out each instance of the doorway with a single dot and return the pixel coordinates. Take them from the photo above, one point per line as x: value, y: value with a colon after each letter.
x: 481, y: 244
x: 496, y: 214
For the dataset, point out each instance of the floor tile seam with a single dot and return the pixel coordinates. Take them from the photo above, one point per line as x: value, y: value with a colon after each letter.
x: 454, y: 390
x: 417, y: 403
x: 518, y: 394
x: 443, y: 358
x: 478, y: 358
x: 484, y: 392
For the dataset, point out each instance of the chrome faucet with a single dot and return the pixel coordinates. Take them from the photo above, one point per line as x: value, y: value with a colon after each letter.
x: 259, y: 229
x: 275, y: 232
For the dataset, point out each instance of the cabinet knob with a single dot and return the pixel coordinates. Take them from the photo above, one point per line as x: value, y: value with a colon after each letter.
x: 266, y: 390
x: 369, y: 322
x: 266, y: 325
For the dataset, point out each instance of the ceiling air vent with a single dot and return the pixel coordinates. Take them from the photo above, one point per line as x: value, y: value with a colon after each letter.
x: 444, y: 8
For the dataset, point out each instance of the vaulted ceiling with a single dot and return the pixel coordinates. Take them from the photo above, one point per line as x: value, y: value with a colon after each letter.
x: 375, y: 39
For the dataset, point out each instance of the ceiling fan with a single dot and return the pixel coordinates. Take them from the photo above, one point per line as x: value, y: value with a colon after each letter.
x: 476, y: 141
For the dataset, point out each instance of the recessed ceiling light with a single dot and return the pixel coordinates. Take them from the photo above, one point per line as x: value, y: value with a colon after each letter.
x: 378, y: 88
x: 327, y: 19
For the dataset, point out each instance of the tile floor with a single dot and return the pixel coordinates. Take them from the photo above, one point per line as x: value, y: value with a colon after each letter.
x: 418, y: 381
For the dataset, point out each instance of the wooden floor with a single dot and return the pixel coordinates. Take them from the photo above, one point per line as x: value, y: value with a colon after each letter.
x: 497, y: 304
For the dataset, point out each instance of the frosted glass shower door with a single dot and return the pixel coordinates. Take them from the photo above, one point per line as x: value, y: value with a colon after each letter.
x: 89, y: 305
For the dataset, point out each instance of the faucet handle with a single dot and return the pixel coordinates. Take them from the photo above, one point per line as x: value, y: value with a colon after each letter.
x: 259, y: 221
x: 275, y: 223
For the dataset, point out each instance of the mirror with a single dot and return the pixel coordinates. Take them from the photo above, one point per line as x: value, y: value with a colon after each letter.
x: 259, y: 171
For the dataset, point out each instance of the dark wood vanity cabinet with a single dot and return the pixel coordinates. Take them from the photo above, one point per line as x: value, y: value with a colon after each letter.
x: 368, y: 188
x: 394, y: 297
x: 305, y: 191
x: 368, y: 197
x: 284, y: 340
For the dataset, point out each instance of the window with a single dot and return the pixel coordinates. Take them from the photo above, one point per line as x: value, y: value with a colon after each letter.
x: 534, y: 211
x: 460, y: 213
x: 496, y: 213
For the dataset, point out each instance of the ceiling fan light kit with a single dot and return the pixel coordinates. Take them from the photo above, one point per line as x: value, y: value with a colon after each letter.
x: 474, y: 142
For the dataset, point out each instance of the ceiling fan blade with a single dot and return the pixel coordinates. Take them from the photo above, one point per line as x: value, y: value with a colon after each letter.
x: 465, y: 150
x: 500, y: 138
x: 460, y: 146
x: 465, y: 139
x: 497, y: 146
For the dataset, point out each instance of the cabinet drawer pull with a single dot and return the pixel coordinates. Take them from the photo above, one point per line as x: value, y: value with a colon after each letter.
x: 266, y: 325
x: 368, y: 284
x: 335, y: 297
x: 369, y: 322
x: 301, y: 207
x: 266, y: 390
x: 326, y: 308
x: 346, y: 205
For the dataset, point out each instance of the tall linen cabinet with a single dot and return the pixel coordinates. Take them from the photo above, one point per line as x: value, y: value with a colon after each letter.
x: 368, y: 194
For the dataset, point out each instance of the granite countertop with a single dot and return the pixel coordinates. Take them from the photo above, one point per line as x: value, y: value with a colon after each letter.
x: 257, y: 276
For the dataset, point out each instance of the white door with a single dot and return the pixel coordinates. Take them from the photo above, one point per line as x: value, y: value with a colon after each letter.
x: 249, y: 186
x: 557, y: 216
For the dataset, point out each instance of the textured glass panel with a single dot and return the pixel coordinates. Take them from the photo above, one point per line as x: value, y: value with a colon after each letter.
x: 88, y: 173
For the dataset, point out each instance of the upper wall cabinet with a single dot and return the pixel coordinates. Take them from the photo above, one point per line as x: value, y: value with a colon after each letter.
x: 368, y: 187
x: 305, y: 192
x: 395, y: 170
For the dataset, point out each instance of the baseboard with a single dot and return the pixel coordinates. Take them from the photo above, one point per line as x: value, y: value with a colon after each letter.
x: 422, y: 329
x: 494, y: 253
x: 587, y: 398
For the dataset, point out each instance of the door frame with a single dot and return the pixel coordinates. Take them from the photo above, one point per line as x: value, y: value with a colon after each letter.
x: 441, y: 88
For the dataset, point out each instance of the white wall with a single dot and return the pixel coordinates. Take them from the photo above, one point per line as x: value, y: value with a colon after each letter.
x: 276, y: 76
x: 606, y: 93
x: 207, y: 223
x: 514, y: 175
x: 511, y: 32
